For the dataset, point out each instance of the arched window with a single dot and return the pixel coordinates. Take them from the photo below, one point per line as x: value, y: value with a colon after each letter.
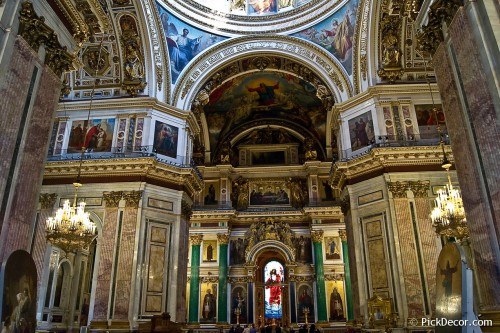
x: 274, y: 277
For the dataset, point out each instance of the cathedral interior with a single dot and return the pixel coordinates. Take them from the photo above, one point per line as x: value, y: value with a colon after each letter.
x: 266, y: 162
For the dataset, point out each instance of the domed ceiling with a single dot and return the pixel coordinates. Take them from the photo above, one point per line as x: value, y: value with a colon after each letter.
x: 245, y: 99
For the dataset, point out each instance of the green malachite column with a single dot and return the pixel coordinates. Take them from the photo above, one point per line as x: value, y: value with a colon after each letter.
x: 194, y: 283
x: 347, y: 275
x: 317, y: 238
x: 222, y: 298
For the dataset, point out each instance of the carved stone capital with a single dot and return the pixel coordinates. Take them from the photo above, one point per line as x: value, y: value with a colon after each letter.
x: 196, y: 239
x: 420, y: 189
x: 112, y: 199
x: 186, y: 209
x: 317, y: 236
x: 343, y: 235
x: 398, y: 189
x: 345, y: 204
x: 132, y: 198
x: 47, y: 200
x: 223, y: 238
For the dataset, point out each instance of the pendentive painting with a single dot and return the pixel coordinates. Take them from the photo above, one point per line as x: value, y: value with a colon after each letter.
x: 18, y: 293
x: 335, y: 34
x: 95, y: 135
x: 428, y: 119
x: 165, y: 139
x: 184, y: 41
x: 361, y: 131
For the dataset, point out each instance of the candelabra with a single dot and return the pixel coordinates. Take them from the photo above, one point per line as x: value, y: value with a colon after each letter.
x: 237, y: 312
x: 305, y: 311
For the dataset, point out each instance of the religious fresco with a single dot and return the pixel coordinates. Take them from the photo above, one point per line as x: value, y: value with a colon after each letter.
x: 239, y: 304
x: 428, y: 120
x: 95, y: 137
x: 361, y: 130
x: 208, y: 300
x: 332, y: 248
x: 165, y: 139
x: 255, y: 7
x: 335, y: 34
x: 262, y: 7
x: 184, y: 41
x: 264, y: 95
x: 336, y: 300
x: 209, y: 251
x: 274, y: 276
x: 18, y: 283
x: 305, y: 303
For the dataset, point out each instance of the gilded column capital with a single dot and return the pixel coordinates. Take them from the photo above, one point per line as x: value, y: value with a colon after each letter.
x: 343, y: 235
x: 398, y: 189
x: 223, y: 238
x: 112, y: 199
x: 317, y: 236
x: 196, y: 239
x: 132, y: 198
x: 420, y: 188
x: 47, y: 200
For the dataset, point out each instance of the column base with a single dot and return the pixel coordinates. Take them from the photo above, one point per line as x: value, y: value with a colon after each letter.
x: 494, y: 316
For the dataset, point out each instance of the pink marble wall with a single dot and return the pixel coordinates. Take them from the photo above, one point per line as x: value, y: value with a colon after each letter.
x: 125, y: 264
x: 475, y: 149
x: 108, y: 240
x: 16, y: 228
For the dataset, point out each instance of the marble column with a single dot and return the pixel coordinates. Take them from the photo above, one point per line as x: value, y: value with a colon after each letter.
x: 108, y: 242
x: 194, y: 283
x: 347, y: 275
x: 317, y: 238
x: 408, y: 250
x: 223, y: 240
x: 126, y: 256
x: 427, y: 236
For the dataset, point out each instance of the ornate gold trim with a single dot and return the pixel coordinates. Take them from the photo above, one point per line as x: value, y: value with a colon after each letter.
x: 398, y: 189
x: 420, y: 188
x: 195, y: 239
x: 47, y: 200
x: 317, y: 236
x: 223, y: 239
x: 112, y: 199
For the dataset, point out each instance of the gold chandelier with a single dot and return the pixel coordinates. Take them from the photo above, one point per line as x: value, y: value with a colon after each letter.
x: 71, y: 228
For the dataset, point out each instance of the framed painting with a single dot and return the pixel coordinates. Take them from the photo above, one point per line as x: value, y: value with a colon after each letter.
x: 361, y: 132
x: 165, y: 139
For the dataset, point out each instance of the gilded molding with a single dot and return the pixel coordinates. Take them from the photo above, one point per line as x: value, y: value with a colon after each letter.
x: 35, y: 32
x: 398, y: 189
x: 132, y: 198
x: 390, y: 68
x: 112, y: 199
x: 195, y: 239
x: 420, y: 189
x: 317, y: 236
x: 431, y: 35
x: 223, y: 239
x: 209, y: 279
x: 343, y: 235
x: 47, y: 200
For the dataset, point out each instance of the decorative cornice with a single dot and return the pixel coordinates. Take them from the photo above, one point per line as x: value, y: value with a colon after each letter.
x: 47, y: 200
x: 132, y: 198
x: 420, y: 188
x: 196, y: 239
x: 380, y: 158
x: 143, y: 167
x: 209, y: 279
x: 112, y: 199
x: 223, y: 239
x: 239, y: 279
x: 317, y: 236
x: 398, y: 189
x: 343, y: 235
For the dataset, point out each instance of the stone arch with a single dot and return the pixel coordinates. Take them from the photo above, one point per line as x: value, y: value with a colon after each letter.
x: 318, y: 60
x: 253, y: 253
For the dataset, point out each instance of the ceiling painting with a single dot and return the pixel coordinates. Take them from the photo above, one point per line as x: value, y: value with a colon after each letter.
x: 184, y: 41
x: 264, y: 95
x: 335, y: 34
